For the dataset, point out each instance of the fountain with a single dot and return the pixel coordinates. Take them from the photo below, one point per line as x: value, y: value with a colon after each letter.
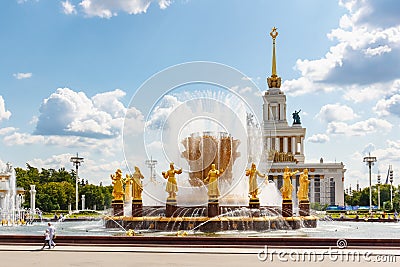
x: 210, y: 148
x: 11, y: 198
x: 211, y: 158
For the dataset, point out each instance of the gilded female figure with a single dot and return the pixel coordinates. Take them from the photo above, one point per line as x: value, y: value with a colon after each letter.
x: 172, y: 186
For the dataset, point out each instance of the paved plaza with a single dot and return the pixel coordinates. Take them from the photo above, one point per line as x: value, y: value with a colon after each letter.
x: 183, y: 256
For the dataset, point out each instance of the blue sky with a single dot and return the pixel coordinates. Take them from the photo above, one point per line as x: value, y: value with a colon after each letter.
x: 69, y: 69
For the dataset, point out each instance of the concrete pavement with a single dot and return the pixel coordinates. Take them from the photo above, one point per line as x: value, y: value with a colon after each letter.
x: 183, y: 256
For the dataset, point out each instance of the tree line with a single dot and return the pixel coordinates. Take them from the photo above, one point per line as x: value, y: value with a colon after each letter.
x: 55, y: 189
x: 361, y: 197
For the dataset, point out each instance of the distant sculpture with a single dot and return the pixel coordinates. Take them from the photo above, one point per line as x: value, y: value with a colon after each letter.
x: 253, y: 186
x: 128, y: 188
x: 137, y: 186
x: 172, y: 186
x: 276, y: 156
x: 117, y: 181
x: 287, y: 187
x: 302, y: 194
x: 212, y: 180
x: 296, y: 117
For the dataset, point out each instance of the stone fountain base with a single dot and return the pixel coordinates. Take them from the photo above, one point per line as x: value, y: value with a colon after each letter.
x: 208, y: 225
x: 118, y: 207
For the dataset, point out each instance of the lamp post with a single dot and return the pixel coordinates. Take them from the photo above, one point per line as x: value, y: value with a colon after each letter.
x: 150, y: 163
x: 351, y: 196
x: 76, y: 161
x: 379, y: 191
x: 370, y: 162
x: 391, y: 185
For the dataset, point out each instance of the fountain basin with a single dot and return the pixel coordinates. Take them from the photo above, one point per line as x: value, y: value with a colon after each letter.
x: 214, y: 224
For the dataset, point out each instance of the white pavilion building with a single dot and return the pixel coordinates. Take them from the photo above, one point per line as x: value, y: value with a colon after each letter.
x: 284, y: 146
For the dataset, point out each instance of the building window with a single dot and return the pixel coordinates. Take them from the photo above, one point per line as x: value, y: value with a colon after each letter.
x: 280, y: 182
x: 332, y: 191
x: 317, y: 189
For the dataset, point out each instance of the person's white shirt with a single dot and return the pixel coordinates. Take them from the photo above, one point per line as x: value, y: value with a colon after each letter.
x: 52, y: 230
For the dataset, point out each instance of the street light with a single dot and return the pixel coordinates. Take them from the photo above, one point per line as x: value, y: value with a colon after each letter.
x: 379, y: 191
x: 150, y: 163
x: 76, y: 161
x: 370, y: 162
x: 391, y: 185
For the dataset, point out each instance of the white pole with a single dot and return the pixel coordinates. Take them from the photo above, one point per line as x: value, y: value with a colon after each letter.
x: 83, y: 202
x: 76, y: 188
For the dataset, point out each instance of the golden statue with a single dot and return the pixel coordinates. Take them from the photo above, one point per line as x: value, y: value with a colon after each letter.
x: 302, y: 194
x: 287, y: 187
x: 128, y: 188
x: 212, y: 180
x: 118, y: 189
x: 137, y: 186
x: 172, y: 186
x: 253, y: 186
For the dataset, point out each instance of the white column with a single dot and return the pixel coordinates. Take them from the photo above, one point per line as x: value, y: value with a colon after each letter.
x: 293, y: 145
x: 83, y: 202
x: 2, y: 201
x: 324, y: 189
x: 302, y: 145
x: 271, y: 115
x: 33, y: 197
x: 312, y: 189
x: 277, y: 148
x: 265, y: 112
x: 269, y: 144
x: 285, y: 144
x: 294, y: 192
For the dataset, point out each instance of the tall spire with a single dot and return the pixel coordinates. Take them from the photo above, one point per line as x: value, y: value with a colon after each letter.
x: 274, y: 81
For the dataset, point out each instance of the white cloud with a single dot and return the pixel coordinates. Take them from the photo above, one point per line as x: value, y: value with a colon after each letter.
x: 70, y: 119
x: 105, y: 147
x: 22, y: 75
x: 363, y: 93
x: 385, y: 107
x: 367, y: 149
x: 4, y: 114
x: 67, y: 112
x: 377, y: 51
x: 162, y: 111
x: 134, y: 122
x: 318, y: 138
x: 360, y: 128
x: 7, y: 130
x: 367, y: 54
x: 385, y: 156
x: 108, y: 9
x: 92, y: 170
x: 163, y: 4
x: 18, y: 138
x: 242, y: 90
x: 54, y: 162
x: 336, y: 112
x: 68, y: 8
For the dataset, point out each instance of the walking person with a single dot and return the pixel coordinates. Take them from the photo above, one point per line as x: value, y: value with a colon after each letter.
x: 52, y: 234
x: 46, y: 239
